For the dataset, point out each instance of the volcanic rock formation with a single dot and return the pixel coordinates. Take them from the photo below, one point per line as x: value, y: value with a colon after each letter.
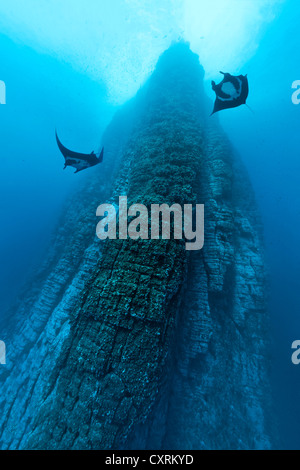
x: 123, y: 344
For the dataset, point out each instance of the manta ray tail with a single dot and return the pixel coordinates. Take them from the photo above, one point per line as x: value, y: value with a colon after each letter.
x: 250, y: 108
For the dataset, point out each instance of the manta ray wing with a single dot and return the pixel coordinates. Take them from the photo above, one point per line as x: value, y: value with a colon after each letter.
x: 100, y: 159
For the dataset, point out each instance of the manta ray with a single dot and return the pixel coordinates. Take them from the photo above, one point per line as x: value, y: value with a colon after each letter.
x: 80, y: 161
x: 231, y: 92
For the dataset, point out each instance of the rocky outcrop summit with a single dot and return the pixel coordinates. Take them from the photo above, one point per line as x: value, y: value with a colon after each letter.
x: 140, y: 344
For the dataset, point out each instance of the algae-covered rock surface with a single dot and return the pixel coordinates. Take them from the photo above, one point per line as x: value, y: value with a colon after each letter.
x: 123, y: 344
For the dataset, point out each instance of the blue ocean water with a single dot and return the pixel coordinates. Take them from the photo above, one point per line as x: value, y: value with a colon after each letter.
x: 71, y: 66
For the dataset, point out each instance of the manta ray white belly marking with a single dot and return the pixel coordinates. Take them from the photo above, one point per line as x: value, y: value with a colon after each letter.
x: 79, y: 164
x: 230, y: 90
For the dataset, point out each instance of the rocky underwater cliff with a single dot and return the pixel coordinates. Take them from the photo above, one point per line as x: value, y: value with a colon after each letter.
x: 140, y: 344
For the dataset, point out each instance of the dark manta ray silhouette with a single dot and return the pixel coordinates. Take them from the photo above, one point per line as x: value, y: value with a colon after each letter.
x: 80, y: 161
x: 231, y: 92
